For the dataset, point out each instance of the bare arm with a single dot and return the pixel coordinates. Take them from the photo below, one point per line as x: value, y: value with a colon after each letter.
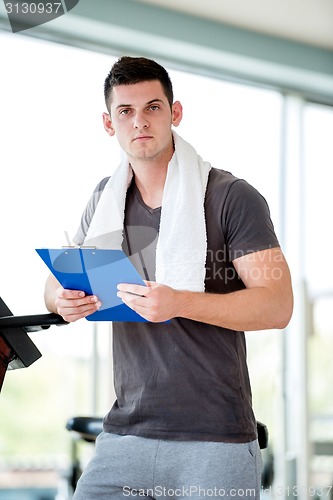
x: 70, y: 304
x: 265, y: 303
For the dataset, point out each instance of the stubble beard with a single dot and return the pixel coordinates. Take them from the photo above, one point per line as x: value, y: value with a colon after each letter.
x: 146, y: 156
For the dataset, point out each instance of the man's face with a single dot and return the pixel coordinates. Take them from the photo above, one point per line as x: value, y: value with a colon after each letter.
x: 141, y: 119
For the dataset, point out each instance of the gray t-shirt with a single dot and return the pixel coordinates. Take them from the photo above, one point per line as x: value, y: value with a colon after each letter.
x: 186, y: 380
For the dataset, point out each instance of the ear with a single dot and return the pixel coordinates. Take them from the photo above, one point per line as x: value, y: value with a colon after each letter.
x: 177, y: 113
x: 108, y: 124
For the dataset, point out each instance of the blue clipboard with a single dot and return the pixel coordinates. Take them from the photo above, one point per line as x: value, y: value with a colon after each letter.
x: 96, y: 272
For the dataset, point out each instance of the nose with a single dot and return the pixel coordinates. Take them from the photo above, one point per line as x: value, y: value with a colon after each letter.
x: 140, y: 121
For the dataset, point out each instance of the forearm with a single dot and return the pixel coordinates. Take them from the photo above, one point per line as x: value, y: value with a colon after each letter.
x: 266, y: 302
x: 51, y: 287
x: 249, y: 309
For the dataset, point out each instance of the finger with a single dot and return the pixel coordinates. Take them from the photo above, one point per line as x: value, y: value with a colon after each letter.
x: 65, y: 293
x: 134, y: 289
x: 133, y: 304
x: 71, y: 314
x: 134, y: 298
x: 73, y: 302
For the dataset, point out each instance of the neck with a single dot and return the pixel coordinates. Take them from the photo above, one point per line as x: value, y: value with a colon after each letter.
x: 150, y: 183
x: 150, y: 176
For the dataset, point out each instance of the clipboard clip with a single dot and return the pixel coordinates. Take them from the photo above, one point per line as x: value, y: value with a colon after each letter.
x: 89, y: 247
x: 69, y: 243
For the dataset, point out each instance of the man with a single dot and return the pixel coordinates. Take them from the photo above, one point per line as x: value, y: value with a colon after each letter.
x: 182, y: 424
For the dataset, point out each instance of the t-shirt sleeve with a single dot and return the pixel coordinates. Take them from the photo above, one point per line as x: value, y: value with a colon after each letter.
x: 88, y: 213
x: 246, y: 221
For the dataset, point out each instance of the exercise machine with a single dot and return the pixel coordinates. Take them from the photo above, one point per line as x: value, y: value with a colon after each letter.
x: 17, y: 350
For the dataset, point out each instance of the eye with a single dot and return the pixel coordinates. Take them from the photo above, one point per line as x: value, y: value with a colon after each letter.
x: 124, y: 111
x: 154, y: 107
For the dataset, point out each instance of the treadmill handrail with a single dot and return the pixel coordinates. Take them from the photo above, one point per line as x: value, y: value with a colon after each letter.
x: 43, y: 321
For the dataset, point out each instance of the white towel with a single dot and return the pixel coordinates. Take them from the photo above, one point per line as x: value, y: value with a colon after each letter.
x: 182, y: 242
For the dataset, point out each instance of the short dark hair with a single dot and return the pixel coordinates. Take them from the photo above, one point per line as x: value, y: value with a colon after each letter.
x: 129, y: 70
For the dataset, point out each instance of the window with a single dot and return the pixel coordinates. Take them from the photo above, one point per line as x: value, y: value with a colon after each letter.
x: 53, y: 153
x: 318, y: 239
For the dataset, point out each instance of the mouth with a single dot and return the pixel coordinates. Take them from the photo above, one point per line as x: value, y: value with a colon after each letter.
x: 142, y: 138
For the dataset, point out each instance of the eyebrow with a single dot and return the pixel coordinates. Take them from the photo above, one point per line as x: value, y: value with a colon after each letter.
x: 147, y: 103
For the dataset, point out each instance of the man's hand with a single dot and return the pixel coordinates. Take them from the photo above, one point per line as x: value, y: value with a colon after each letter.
x: 70, y: 304
x: 74, y: 304
x: 154, y: 302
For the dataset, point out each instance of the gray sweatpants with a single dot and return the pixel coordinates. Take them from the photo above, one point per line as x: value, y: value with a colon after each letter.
x: 134, y: 467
